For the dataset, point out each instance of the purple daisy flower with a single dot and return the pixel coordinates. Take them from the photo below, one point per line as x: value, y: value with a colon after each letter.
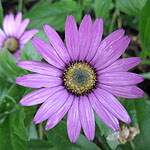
x: 81, y: 77
x: 14, y: 36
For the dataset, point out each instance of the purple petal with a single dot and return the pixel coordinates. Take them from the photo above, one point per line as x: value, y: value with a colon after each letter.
x: 107, y: 42
x: 17, y: 23
x: 110, y: 120
x: 22, y: 27
x: 2, y: 36
x: 112, y: 53
x: 47, y: 52
x: 112, y: 105
x: 72, y: 38
x: 85, y: 37
x: 119, y: 78
x: 87, y: 117
x: 51, y: 106
x: 57, y: 43
x: 10, y: 24
x: 73, y: 121
x: 39, y: 67
x: 96, y: 34
x: 39, y: 96
x: 123, y: 91
x: 56, y: 117
x: 5, y: 24
x: 27, y: 36
x: 122, y: 65
x: 38, y: 81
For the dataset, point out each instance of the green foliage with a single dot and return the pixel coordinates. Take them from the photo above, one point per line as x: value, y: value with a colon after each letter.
x: 102, y: 8
x: 39, y: 145
x: 9, y: 65
x: 12, y: 132
x: 53, y: 14
x: 58, y: 137
x: 142, y: 110
x: 17, y: 130
x: 4, y: 85
x: 105, y: 133
x: 1, y: 13
x: 139, y: 110
x: 130, y: 7
x: 144, y: 29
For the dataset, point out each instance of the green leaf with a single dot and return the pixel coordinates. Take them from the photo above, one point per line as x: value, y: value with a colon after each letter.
x: 144, y: 29
x: 53, y: 14
x: 9, y: 67
x: 102, y: 8
x: 4, y: 85
x: 110, y: 135
x: 143, y: 111
x: 58, y: 137
x: 8, y: 138
x: 1, y: 13
x: 12, y: 97
x: 39, y: 145
x: 130, y: 7
x: 139, y: 110
x: 18, y: 121
x: 29, y: 52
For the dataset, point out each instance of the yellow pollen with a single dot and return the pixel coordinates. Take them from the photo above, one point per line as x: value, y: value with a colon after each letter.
x: 11, y: 44
x: 79, y: 78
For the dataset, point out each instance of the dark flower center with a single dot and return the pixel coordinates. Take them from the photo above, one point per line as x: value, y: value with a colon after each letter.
x: 11, y: 44
x: 79, y: 78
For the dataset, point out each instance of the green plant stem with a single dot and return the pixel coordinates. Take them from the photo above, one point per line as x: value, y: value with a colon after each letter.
x: 113, y: 21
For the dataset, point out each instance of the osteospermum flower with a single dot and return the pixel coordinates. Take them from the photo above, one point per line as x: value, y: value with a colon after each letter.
x: 81, y: 77
x: 14, y: 36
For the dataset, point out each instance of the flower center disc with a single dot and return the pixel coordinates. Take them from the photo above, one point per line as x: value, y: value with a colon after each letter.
x: 79, y: 78
x: 11, y: 44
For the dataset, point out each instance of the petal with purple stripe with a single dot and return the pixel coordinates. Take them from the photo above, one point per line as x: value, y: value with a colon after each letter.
x: 85, y: 37
x: 72, y: 37
x: 38, y: 81
x: 96, y: 34
x: 51, y: 106
x: 120, y: 78
x: 122, y: 65
x: 112, y: 53
x: 47, y: 52
x: 109, y: 119
x: 112, y: 105
x: 39, y: 96
x: 57, y: 116
x: 87, y: 117
x: 73, y: 121
x: 57, y: 43
x: 39, y: 67
x: 123, y: 91
x: 106, y: 43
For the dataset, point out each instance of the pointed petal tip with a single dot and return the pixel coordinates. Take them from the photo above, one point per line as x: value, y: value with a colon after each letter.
x: 46, y: 128
x: 45, y: 26
x: 21, y: 103
x: 72, y: 140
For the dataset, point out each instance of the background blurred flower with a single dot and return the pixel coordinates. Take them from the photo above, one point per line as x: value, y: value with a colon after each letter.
x: 13, y: 36
x: 81, y: 77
